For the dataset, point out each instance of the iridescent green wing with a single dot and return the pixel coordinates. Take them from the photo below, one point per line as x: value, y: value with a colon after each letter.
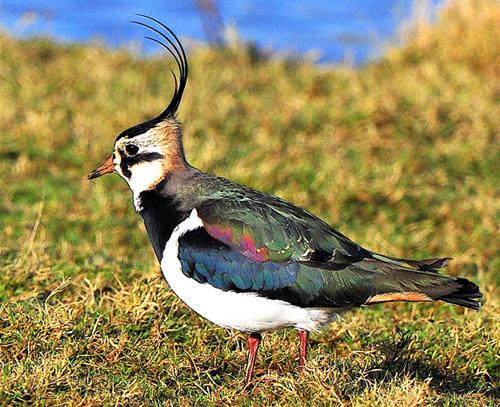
x: 264, y: 228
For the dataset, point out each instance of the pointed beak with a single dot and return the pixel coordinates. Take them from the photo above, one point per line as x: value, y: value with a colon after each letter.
x: 106, y: 167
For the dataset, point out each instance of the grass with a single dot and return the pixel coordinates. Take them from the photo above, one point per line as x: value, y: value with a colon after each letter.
x: 401, y: 155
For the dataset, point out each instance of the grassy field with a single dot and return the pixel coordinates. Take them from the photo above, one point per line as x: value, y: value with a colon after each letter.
x: 401, y: 155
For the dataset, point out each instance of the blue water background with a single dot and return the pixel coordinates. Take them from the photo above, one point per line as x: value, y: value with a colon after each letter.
x: 338, y: 30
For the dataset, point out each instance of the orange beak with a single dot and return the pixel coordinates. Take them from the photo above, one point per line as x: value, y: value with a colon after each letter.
x: 106, y: 167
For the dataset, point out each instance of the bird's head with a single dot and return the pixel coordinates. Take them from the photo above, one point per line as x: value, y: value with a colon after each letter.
x: 144, y: 154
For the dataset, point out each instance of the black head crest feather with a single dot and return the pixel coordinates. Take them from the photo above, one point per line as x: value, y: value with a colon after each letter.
x: 174, y: 47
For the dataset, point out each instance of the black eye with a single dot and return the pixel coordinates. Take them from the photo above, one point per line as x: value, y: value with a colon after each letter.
x: 131, y: 149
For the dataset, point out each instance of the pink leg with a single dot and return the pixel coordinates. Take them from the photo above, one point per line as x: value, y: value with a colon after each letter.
x: 303, y: 335
x: 253, y: 346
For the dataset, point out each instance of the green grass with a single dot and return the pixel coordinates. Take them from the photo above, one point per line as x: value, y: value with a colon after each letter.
x: 401, y: 155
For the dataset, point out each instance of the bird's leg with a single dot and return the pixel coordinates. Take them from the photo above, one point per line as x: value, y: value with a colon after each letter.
x: 303, y: 335
x: 253, y: 346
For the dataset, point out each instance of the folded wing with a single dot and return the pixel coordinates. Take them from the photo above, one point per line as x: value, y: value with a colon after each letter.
x: 311, y: 284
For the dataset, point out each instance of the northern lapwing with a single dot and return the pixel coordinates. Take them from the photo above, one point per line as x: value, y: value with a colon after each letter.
x: 247, y: 260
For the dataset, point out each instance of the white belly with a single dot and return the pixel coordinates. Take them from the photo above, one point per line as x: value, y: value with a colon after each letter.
x: 242, y: 311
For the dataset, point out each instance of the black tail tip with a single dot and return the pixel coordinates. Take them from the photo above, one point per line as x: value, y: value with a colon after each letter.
x: 467, y: 295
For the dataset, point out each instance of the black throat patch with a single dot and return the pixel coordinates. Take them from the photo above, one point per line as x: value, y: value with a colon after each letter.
x: 161, y: 213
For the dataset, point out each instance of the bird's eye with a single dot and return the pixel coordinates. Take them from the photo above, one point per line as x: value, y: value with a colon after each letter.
x: 131, y: 149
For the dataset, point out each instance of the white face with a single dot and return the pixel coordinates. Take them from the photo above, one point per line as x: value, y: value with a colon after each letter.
x: 140, y: 161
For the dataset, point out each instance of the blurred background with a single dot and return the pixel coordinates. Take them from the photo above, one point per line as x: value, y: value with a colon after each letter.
x: 381, y: 117
x: 330, y: 31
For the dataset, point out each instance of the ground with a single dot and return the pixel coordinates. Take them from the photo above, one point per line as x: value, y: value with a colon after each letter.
x: 401, y: 155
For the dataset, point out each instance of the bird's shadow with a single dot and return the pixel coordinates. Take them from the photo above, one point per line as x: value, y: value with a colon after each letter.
x: 395, y: 359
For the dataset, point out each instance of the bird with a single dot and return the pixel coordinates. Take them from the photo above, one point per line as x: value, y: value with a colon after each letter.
x: 246, y: 260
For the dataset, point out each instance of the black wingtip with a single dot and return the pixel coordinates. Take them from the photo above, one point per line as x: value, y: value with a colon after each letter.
x: 429, y: 264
